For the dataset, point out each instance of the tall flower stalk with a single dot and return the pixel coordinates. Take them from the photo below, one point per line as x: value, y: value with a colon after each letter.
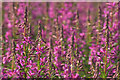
x: 50, y: 58
x: 13, y: 36
x: 25, y: 35
x: 88, y: 28
x: 107, y: 42
x: 72, y: 54
x: 119, y: 40
x: 39, y: 43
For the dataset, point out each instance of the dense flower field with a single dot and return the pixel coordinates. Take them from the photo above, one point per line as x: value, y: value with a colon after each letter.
x: 60, y: 40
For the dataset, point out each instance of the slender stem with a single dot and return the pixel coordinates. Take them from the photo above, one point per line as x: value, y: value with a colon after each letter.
x: 25, y: 35
x: 119, y: 40
x: 29, y: 44
x: 50, y: 56
x: 13, y: 52
x: 77, y: 28
x: 72, y: 54
x: 88, y: 28
x: 39, y: 42
x: 107, y: 42
x: 99, y: 24
x: 13, y: 36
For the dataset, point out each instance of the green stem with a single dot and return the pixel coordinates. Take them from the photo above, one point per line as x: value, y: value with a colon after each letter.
x: 72, y: 54
x: 107, y: 43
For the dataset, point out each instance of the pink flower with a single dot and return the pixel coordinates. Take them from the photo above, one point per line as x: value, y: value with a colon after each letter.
x: 4, y: 60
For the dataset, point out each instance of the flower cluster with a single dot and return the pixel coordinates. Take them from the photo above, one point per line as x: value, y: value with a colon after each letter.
x: 60, y: 40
